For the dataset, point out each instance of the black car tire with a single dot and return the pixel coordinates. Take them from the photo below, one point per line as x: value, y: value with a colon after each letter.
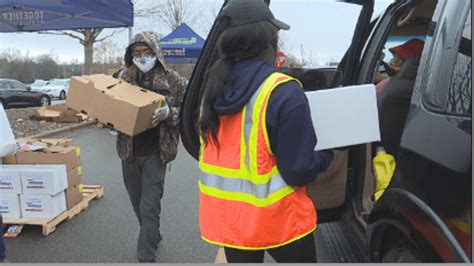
x: 402, y: 251
x: 45, y: 101
x: 62, y: 95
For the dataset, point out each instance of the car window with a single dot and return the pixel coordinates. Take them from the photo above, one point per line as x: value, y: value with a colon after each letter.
x: 460, y: 90
x: 17, y: 85
x: 448, y: 89
x: 8, y: 85
x: 4, y: 85
x: 38, y: 83
x: 57, y: 82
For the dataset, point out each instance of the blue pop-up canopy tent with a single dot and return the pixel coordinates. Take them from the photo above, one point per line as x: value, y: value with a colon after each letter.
x: 40, y: 15
x: 183, y: 45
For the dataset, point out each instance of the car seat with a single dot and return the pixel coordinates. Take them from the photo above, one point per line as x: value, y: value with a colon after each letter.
x: 393, y: 104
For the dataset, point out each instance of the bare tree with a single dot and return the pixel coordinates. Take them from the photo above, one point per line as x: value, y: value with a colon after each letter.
x: 86, y: 37
x: 107, y: 55
x: 171, y: 12
x: 108, y: 52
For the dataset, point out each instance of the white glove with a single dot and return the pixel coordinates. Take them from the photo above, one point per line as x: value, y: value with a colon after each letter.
x: 161, y: 113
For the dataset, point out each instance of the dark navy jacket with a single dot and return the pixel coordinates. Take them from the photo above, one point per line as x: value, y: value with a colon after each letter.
x: 289, y: 125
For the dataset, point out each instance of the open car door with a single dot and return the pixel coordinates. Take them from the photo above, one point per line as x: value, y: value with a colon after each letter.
x: 329, y: 191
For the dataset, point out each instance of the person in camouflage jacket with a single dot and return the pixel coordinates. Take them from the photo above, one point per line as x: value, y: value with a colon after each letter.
x: 144, y: 156
x: 165, y: 82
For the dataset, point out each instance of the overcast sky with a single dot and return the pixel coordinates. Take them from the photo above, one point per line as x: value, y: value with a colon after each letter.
x: 320, y: 29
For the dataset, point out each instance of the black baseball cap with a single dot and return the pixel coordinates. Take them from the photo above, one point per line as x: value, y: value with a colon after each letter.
x: 242, y: 12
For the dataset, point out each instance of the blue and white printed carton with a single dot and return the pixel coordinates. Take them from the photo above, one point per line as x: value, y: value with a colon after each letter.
x: 41, y: 179
x: 10, y: 181
x: 43, y: 206
x: 10, y: 206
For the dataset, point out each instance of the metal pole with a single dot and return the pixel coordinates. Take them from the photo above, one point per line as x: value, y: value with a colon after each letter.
x: 129, y: 34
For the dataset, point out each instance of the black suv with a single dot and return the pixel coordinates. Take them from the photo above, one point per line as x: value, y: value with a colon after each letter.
x: 425, y: 214
x: 16, y: 94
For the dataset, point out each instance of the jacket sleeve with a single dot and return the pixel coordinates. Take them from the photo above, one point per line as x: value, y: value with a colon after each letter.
x: 292, y: 136
x: 175, y: 99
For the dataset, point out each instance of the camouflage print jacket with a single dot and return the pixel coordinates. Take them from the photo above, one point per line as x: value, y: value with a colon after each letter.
x: 165, y: 82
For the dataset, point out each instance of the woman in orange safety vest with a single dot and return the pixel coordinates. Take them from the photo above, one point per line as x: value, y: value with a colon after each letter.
x: 257, y: 145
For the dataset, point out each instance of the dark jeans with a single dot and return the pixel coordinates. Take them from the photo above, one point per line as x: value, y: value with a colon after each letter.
x: 2, y: 244
x: 144, y: 179
x: 303, y: 250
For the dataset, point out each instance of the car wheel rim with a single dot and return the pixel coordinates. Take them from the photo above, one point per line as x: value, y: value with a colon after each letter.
x: 44, y: 101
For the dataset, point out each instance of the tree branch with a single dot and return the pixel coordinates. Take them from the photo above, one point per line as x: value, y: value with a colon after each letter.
x: 108, y: 36
x: 81, y: 40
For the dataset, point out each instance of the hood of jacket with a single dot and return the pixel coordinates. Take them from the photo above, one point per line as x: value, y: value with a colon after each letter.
x: 245, y: 78
x: 149, y: 38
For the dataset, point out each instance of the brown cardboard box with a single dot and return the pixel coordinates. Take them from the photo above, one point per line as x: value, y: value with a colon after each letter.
x: 74, y: 177
x: 47, y: 142
x: 73, y: 196
x: 114, y: 102
x: 68, y: 155
x: 58, y: 114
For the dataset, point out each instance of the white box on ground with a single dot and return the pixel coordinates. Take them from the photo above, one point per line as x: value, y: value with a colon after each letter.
x: 10, y: 206
x: 42, y: 179
x: 10, y: 180
x: 344, y: 116
x: 43, y: 206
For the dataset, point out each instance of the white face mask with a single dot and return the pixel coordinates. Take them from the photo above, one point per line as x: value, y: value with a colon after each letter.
x: 145, y: 63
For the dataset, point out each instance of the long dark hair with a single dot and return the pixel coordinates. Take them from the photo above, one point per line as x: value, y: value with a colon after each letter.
x: 252, y: 41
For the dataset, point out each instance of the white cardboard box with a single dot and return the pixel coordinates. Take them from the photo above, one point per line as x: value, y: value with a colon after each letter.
x: 10, y: 206
x: 43, y: 206
x: 42, y: 179
x: 344, y: 116
x: 10, y: 181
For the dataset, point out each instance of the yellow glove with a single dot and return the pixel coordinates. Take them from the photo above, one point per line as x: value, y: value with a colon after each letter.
x: 384, y: 167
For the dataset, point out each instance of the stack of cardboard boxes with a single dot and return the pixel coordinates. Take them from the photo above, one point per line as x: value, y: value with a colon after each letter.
x: 41, y: 183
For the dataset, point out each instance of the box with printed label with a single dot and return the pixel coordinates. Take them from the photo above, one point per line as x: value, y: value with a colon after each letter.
x: 10, y: 181
x: 10, y: 206
x: 42, y: 206
x: 43, y: 179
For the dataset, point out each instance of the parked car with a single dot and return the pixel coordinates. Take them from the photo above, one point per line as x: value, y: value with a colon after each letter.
x: 13, y: 93
x: 425, y: 213
x: 56, y: 88
x: 38, y: 84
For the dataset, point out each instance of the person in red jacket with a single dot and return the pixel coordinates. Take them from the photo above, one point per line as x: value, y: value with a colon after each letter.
x: 401, y: 54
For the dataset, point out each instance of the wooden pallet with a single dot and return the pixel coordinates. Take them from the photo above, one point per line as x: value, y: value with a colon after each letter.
x: 89, y: 193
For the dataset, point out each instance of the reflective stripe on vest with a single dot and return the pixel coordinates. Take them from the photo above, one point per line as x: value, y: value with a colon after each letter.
x: 245, y: 203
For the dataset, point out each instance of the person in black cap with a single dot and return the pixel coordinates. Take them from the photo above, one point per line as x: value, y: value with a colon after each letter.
x: 254, y: 164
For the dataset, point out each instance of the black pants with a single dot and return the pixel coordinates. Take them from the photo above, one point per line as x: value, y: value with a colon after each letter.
x: 144, y: 180
x: 303, y: 250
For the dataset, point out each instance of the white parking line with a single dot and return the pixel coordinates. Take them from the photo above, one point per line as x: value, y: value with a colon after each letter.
x: 220, y: 257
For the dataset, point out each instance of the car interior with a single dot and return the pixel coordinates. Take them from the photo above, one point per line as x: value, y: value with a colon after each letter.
x: 329, y: 189
x: 415, y: 22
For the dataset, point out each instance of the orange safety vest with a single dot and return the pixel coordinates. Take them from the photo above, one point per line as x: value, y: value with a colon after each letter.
x: 244, y: 201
